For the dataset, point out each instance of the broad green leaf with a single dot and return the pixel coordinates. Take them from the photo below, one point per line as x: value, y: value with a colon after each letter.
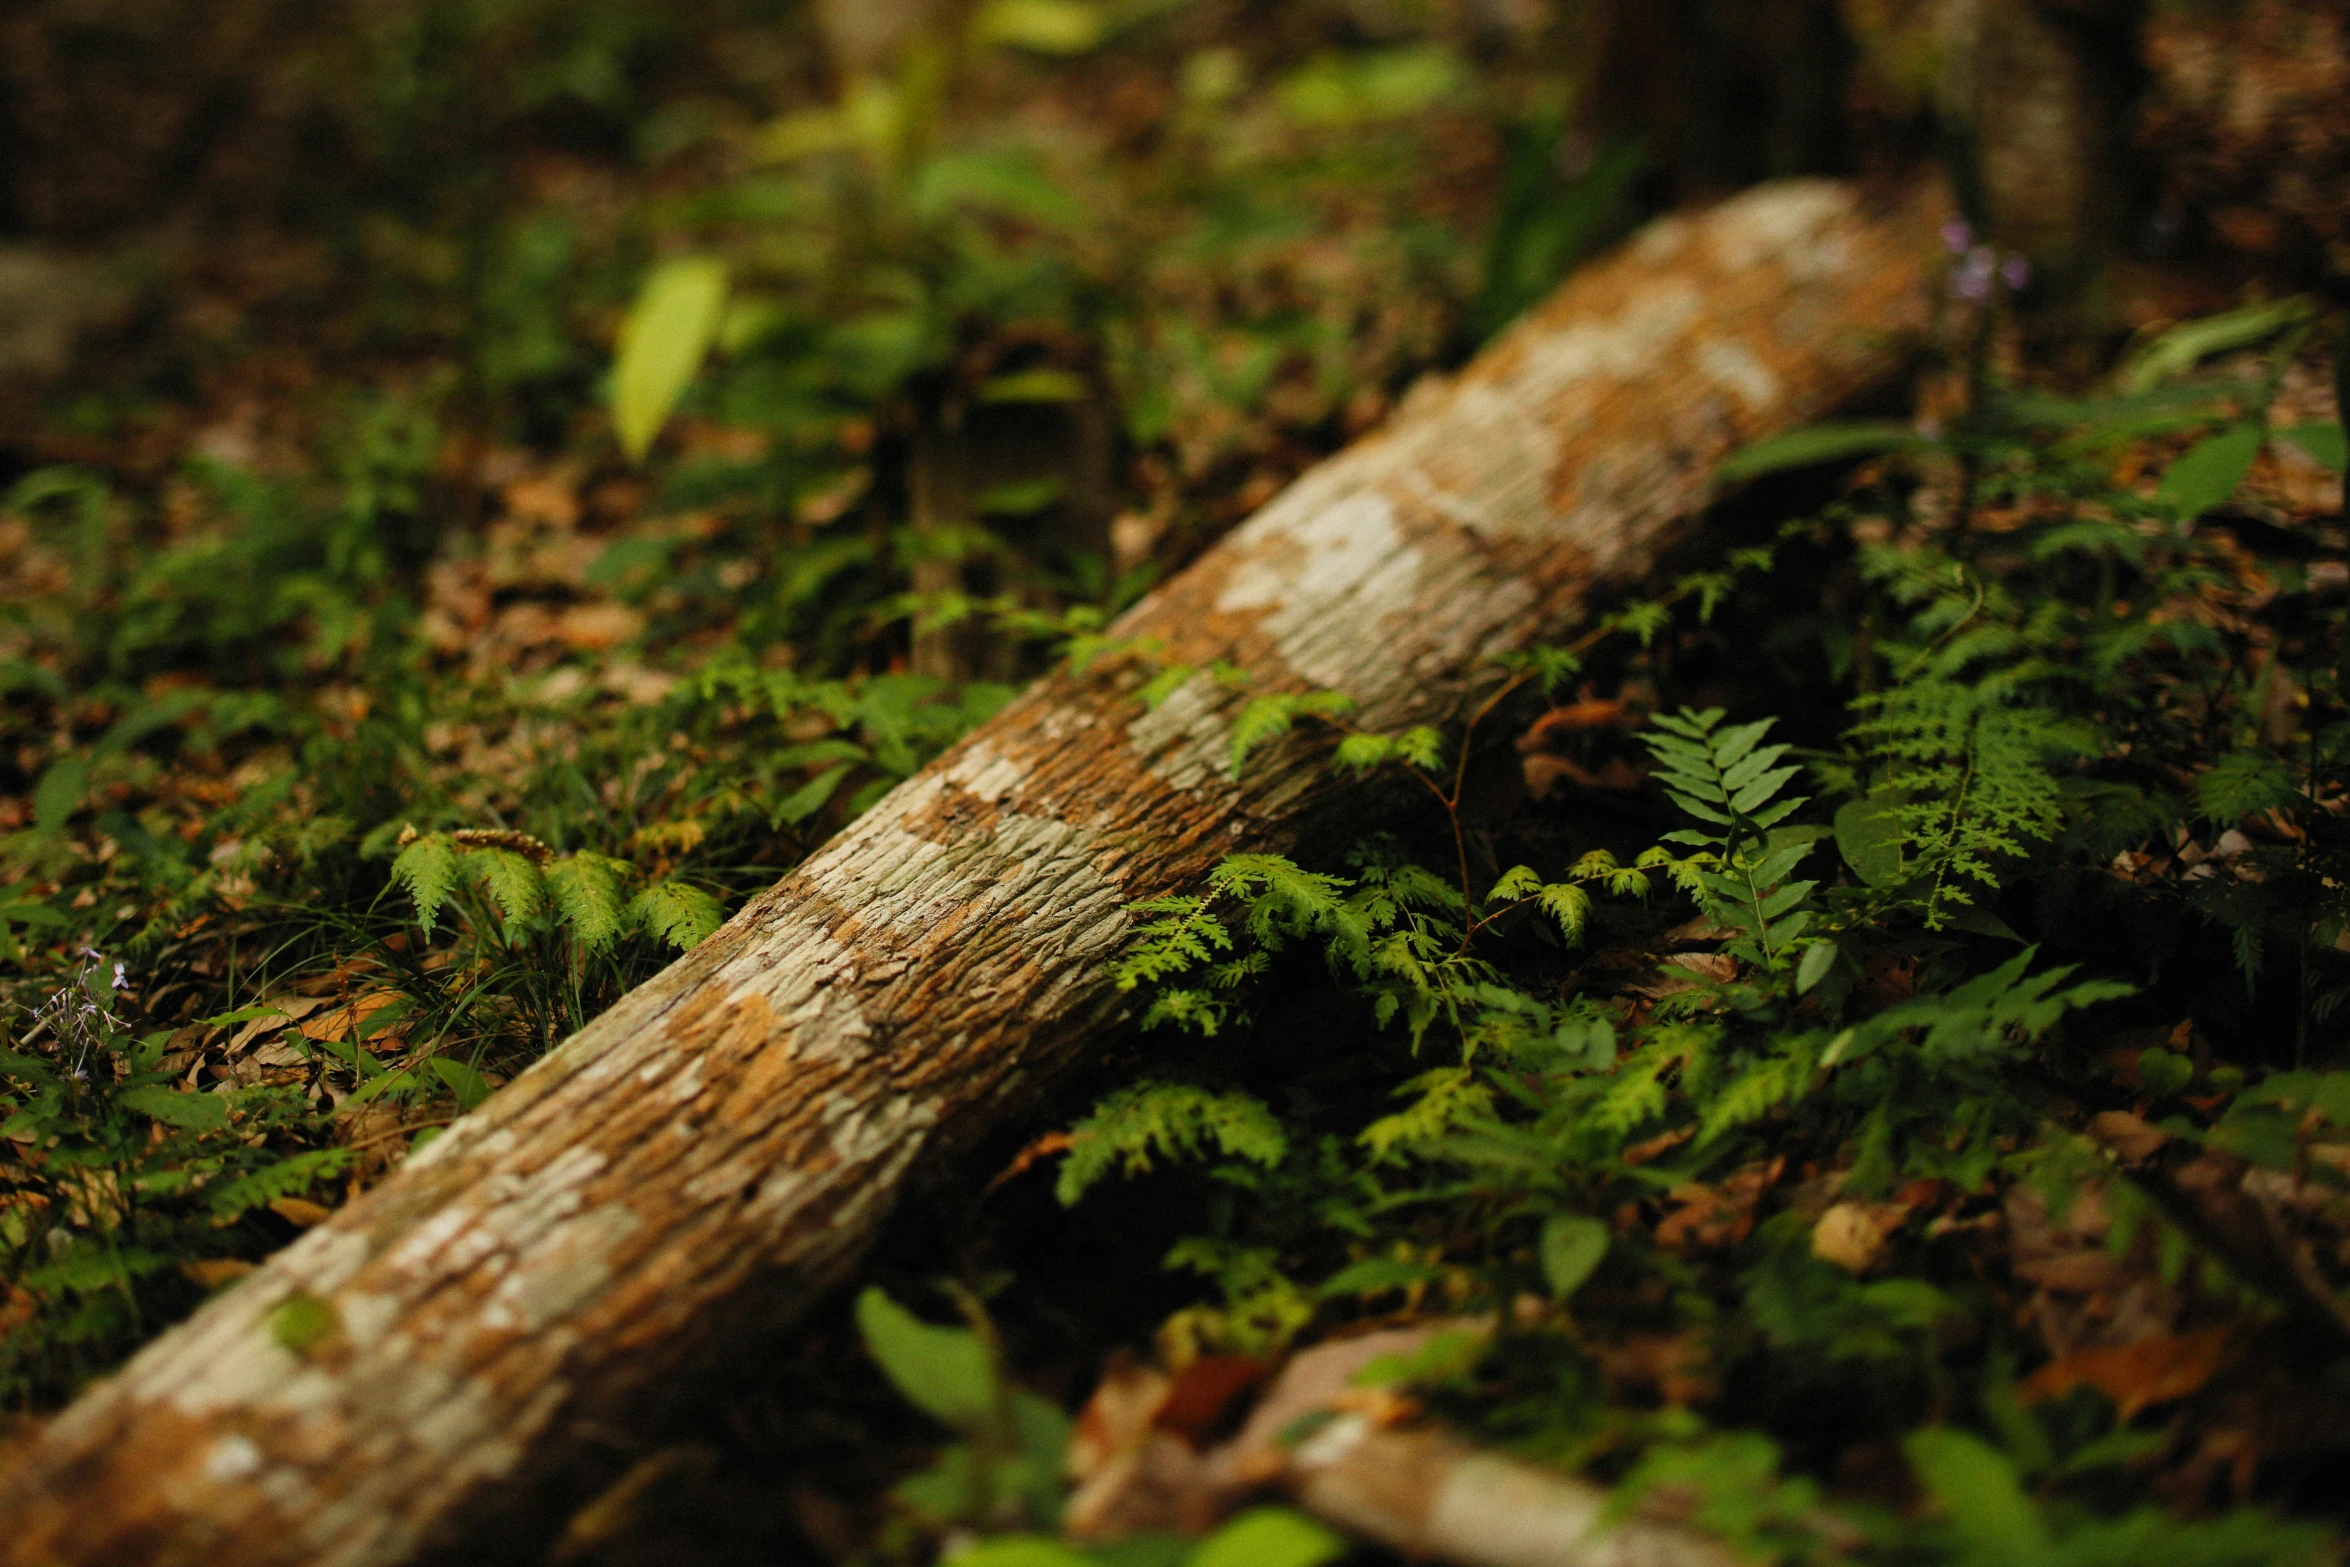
x: 1572, y: 1245
x: 189, y: 1111
x: 467, y: 1084
x: 1023, y: 1550
x: 668, y: 330
x: 810, y: 797
x: 1040, y: 26
x: 1817, y: 444
x: 59, y: 793
x: 2209, y: 472
x: 2327, y: 443
x: 1269, y: 1537
x: 1977, y: 1490
x: 2188, y: 344
x: 944, y: 1372
x: 1868, y: 835
x: 1817, y: 960
x: 2163, y: 1073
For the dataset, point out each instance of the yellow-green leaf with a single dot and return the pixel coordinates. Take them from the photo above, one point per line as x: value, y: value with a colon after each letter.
x: 662, y: 343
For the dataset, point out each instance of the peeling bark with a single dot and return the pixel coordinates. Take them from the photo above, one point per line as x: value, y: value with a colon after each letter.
x: 724, y: 1142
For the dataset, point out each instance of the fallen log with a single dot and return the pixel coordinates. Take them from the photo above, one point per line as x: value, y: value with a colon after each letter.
x: 434, y: 1362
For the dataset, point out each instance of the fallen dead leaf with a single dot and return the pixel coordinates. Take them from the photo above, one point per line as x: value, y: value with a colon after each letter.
x: 2129, y: 1138
x: 213, y: 1272
x: 1677, y: 1367
x: 1853, y: 1235
x: 1655, y: 1147
x: 2153, y: 1370
x: 350, y: 1021
x: 1721, y: 1215
x: 1205, y: 1391
x: 1118, y: 1415
x: 594, y: 627
x: 300, y: 1211
x: 283, y: 1010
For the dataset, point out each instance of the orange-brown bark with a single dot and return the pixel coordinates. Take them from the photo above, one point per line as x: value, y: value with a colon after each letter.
x: 728, y: 1137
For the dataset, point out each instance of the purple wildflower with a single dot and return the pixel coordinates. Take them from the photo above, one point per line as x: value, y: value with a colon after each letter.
x: 2015, y: 272
x: 1957, y: 237
x: 1972, y: 279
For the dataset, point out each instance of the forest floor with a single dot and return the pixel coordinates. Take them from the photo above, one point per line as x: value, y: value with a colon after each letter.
x: 1917, y: 1129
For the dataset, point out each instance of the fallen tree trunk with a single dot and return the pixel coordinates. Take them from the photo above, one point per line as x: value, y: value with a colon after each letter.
x: 727, y: 1138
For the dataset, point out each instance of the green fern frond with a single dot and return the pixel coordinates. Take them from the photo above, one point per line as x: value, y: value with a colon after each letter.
x: 509, y: 881
x: 1173, y: 1121
x: 1443, y: 1101
x: 675, y: 912
x: 586, y: 889
x: 427, y: 868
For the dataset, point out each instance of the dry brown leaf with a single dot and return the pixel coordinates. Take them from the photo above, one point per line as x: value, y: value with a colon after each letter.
x: 213, y: 1272
x: 1853, y: 1235
x: 1722, y: 1215
x: 300, y: 1211
x: 2151, y: 1371
x: 1663, y: 1143
x: 1118, y: 1415
x: 2130, y: 1139
x: 594, y: 627
x: 348, y: 1022
x: 1677, y: 1367
x: 1205, y: 1391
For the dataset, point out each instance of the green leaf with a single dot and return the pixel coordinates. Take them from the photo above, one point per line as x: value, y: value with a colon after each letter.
x: 1572, y: 1246
x: 467, y: 1084
x: 2327, y: 443
x: 586, y: 890
x: 1269, y: 1537
x: 2163, y: 1073
x: 1034, y: 386
x: 2188, y: 344
x: 2209, y: 472
x: 192, y: 1112
x: 1817, y: 959
x: 945, y: 1372
x: 1817, y: 444
x: 1977, y: 1490
x: 676, y: 912
x: 512, y: 882
x: 59, y: 793
x: 302, y: 1322
x: 1022, y: 1550
x: 1019, y: 498
x: 810, y: 797
x: 1040, y: 26
x: 1868, y: 835
x: 427, y: 867
x: 668, y: 330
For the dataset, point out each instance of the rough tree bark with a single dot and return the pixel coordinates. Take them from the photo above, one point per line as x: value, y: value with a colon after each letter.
x: 723, y: 1143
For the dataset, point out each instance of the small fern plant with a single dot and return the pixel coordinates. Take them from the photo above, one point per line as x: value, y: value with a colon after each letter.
x: 1731, y: 785
x: 507, y: 887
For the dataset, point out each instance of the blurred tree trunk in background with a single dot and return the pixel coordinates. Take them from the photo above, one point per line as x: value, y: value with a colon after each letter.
x: 1722, y: 94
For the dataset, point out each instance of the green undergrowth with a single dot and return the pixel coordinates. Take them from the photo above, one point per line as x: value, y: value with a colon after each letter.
x: 1745, y: 1113
x: 368, y: 740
